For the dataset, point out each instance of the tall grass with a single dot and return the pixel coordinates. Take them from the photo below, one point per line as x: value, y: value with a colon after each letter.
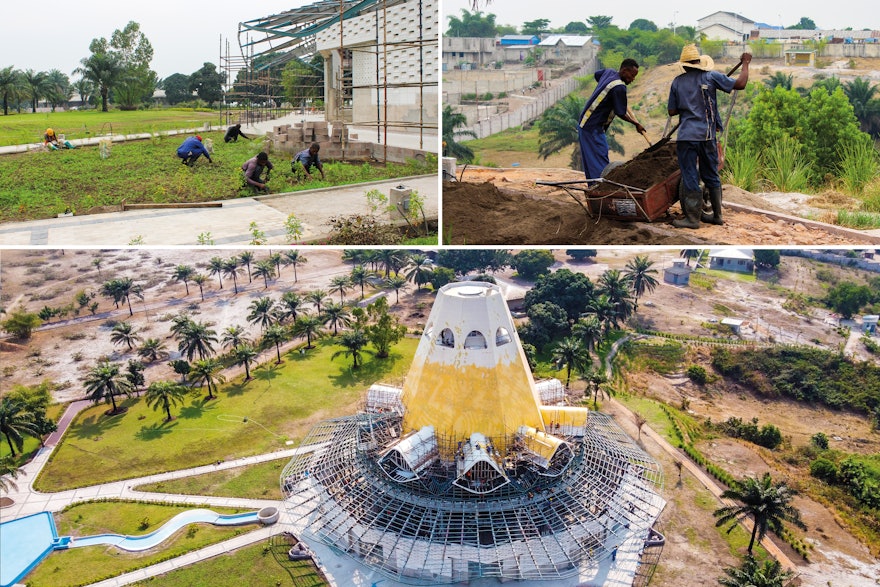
x: 784, y: 166
x: 858, y: 219
x: 858, y: 166
x: 742, y: 168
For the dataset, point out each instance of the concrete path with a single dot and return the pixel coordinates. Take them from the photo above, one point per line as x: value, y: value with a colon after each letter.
x: 228, y: 224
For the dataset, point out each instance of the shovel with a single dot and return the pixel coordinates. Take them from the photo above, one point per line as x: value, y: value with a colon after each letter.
x: 629, y: 112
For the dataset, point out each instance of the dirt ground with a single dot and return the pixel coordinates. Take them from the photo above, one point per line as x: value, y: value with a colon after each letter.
x: 64, y: 351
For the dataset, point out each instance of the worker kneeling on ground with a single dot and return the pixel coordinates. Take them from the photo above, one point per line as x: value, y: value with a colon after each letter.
x: 253, y: 172
x: 232, y: 134
x: 607, y: 100
x: 50, y: 139
x: 692, y: 98
x: 191, y: 149
x: 308, y: 160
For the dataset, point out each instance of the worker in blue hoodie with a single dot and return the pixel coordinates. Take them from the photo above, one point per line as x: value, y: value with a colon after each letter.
x: 607, y: 101
x: 191, y: 149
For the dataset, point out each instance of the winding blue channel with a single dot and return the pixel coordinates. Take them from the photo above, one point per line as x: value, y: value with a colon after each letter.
x: 26, y: 541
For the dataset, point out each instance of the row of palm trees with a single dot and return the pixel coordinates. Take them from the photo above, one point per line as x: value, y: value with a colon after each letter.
x: 25, y: 88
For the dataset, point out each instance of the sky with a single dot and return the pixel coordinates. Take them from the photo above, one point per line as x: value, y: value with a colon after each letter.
x: 827, y: 14
x: 55, y: 34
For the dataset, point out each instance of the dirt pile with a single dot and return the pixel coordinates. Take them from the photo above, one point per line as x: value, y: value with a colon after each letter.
x: 647, y: 169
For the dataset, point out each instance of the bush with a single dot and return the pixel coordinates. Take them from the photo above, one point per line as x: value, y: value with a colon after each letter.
x: 697, y: 374
x: 819, y: 440
x: 824, y: 469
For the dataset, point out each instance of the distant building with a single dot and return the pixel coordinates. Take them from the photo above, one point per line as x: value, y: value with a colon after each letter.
x: 735, y: 324
x: 678, y: 274
x: 739, y: 260
x: 568, y: 48
x: 726, y: 26
x: 869, y: 324
x: 519, y: 40
x: 476, y: 51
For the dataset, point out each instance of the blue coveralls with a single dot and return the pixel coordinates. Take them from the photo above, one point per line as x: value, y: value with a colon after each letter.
x: 591, y: 135
x: 191, y: 149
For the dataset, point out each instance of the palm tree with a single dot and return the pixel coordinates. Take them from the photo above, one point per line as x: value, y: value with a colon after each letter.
x: 124, y: 332
x: 276, y: 334
x: 290, y: 303
x: 200, y: 279
x: 234, y: 336
x: 360, y: 276
x: 84, y: 89
x: 134, y: 373
x: 266, y: 270
x: 9, y: 83
x: 308, y: 327
x: 558, y: 129
x: 317, y: 297
x: 196, y: 338
x: 391, y: 260
x: 15, y: 422
x: 151, y: 349
x: 277, y: 260
x: 336, y: 314
x: 244, y: 354
x: 691, y: 254
x: 57, y: 89
x: 127, y: 287
x: 638, y: 272
x: 779, y: 79
x: 353, y: 343
x: 205, y: 371
x: 164, y: 394
x: 396, y: 282
x: 215, y: 267
x: 571, y: 353
x: 103, y: 71
x: 452, y: 121
x: 262, y: 312
x: 419, y: 270
x: 861, y: 95
x: 754, y: 574
x: 9, y: 471
x: 105, y: 382
x: 768, y: 504
x: 294, y: 258
x: 340, y: 283
x: 246, y: 258
x: 589, y: 330
x: 615, y: 287
x: 595, y: 380
x: 36, y: 84
x: 230, y: 269
x: 183, y: 273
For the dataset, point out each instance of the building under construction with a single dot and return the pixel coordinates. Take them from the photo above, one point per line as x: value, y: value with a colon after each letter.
x: 367, y: 63
x: 472, y: 471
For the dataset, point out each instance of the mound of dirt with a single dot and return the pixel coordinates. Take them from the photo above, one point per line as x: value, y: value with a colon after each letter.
x: 647, y: 169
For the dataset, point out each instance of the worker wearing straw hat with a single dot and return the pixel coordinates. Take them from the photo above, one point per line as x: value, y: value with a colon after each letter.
x: 692, y: 98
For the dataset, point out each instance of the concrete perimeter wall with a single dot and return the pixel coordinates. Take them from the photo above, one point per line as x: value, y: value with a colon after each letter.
x: 835, y: 51
x: 859, y: 263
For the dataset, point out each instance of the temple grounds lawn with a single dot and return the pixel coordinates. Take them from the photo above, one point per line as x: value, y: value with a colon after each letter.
x: 279, y: 405
x: 81, y: 566
x: 260, y: 481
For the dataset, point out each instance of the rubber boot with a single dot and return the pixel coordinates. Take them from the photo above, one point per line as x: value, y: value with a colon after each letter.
x: 692, y: 206
x: 715, y: 199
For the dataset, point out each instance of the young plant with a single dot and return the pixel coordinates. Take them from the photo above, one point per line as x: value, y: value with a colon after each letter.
x: 258, y: 237
x: 293, y: 228
x: 205, y: 238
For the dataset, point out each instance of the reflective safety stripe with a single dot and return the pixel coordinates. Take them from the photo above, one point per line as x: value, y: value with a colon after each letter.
x: 599, y: 98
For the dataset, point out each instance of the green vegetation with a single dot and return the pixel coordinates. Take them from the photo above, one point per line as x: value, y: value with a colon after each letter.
x: 255, y: 482
x: 264, y: 563
x: 246, y: 418
x: 82, y: 566
x: 768, y: 436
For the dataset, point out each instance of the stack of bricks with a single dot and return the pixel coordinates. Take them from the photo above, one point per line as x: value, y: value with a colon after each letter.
x: 292, y: 138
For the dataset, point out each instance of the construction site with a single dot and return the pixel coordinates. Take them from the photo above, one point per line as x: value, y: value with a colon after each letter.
x: 351, y: 75
x: 472, y: 472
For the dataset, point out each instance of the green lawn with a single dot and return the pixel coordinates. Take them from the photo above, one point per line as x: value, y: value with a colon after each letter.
x: 81, y: 566
x: 43, y: 184
x: 31, y: 444
x: 261, y: 564
x: 254, y: 481
x: 279, y: 404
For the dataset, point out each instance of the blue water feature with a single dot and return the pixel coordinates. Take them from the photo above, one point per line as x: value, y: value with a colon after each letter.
x: 26, y: 541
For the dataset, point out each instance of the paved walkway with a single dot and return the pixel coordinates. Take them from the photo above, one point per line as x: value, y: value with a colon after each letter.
x: 228, y: 224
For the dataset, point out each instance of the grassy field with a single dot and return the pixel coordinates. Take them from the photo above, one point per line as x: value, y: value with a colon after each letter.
x: 279, y: 404
x: 264, y: 563
x: 81, y: 566
x: 42, y: 184
x: 253, y: 482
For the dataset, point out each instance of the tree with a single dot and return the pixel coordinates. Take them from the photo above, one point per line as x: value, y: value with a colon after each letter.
x: 294, y: 258
x: 57, y: 89
x: 570, y: 291
x: 532, y: 263
x: 866, y: 107
x: 133, y: 52
x: 581, y: 254
x: 576, y: 27
x: 275, y: 334
x: 215, y: 267
x: 21, y: 324
x: 804, y: 24
x: 262, y: 312
x: 546, y: 321
x: 452, y: 123
x: 691, y: 254
x: 122, y: 289
x: 35, y: 400
x: 419, y: 270
x: 353, y: 343
x: 124, y: 332
x: 464, y: 261
x: 336, y: 315
x: 638, y: 272
x: 164, y: 394
x: 103, y: 71
x: 642, y: 24
x: 196, y: 338
x: 277, y: 260
x: 598, y: 23
x: 15, y: 422
x: 536, y: 27
x: 9, y: 471
x: 177, y: 88
x: 206, y: 372
x: 339, y: 284
x: 471, y: 24
x: 230, y: 269
x: 596, y: 384
x: 152, y: 349
x: 316, y: 297
x: 589, y: 330
x: 360, y: 276
x: 308, y: 327
x: 847, y: 298
x: 35, y: 81
x: 207, y: 82
x: 570, y: 353
x: 266, y: 270
x: 768, y: 258
x: 768, y: 504
x: 245, y: 354
x: 754, y: 574
x: 303, y: 80
x: 104, y: 382
x: 84, y: 89
x: 9, y: 84
x: 615, y: 286
x: 440, y: 276
x: 200, y: 279
x: 246, y: 258
x: 180, y: 367
x: 234, y: 336
x: 398, y: 282
x: 780, y: 79
x: 290, y: 303
x: 385, y: 329
x: 640, y: 421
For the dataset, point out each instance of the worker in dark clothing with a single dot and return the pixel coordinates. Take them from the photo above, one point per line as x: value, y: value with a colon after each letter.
x: 607, y: 101
x: 233, y: 132
x: 253, y: 171
x: 308, y: 160
x: 692, y: 98
x: 191, y: 149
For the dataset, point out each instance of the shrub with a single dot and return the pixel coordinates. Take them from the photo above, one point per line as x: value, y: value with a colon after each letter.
x: 819, y: 440
x: 697, y: 374
x: 824, y: 469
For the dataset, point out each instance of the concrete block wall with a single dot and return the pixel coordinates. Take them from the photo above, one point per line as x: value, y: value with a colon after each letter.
x: 293, y: 138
